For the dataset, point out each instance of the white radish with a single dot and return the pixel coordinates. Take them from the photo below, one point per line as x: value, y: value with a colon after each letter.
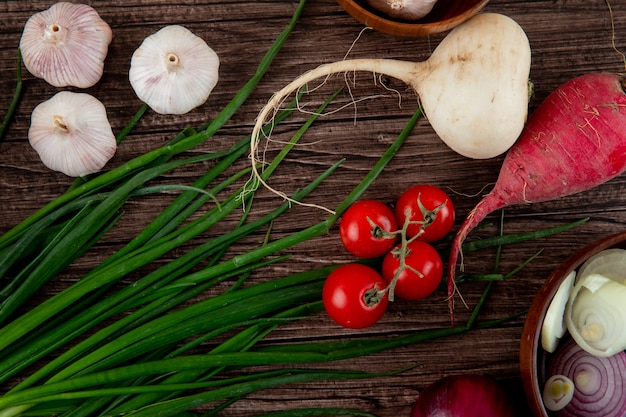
x: 473, y: 88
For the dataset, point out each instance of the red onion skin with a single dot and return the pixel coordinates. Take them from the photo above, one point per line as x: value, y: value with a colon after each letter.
x: 469, y: 395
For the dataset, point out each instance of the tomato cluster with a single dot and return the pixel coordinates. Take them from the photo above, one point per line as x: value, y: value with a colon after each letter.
x: 356, y: 295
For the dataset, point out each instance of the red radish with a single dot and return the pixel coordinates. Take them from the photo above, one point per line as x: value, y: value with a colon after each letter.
x: 574, y: 141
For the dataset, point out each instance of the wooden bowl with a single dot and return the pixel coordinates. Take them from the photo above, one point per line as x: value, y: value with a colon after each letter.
x: 445, y: 15
x: 530, y: 348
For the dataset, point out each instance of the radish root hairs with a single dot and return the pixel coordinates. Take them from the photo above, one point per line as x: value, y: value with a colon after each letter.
x: 561, y: 151
x: 395, y: 68
x: 620, y: 53
x: 473, y: 88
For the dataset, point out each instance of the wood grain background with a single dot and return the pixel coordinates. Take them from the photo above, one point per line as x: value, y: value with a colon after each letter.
x: 568, y: 38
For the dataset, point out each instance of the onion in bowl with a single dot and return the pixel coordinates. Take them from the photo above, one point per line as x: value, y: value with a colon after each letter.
x: 596, y: 313
x: 599, y: 382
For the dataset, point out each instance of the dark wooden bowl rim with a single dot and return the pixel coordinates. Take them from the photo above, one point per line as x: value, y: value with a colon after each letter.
x: 531, y: 333
x: 446, y: 14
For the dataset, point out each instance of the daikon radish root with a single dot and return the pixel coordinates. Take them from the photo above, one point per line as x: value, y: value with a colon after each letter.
x: 473, y: 88
x: 574, y: 141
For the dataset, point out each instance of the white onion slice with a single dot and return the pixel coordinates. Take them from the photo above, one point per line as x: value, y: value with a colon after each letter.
x: 553, y: 327
x: 609, y: 262
x: 596, y: 314
x: 558, y: 392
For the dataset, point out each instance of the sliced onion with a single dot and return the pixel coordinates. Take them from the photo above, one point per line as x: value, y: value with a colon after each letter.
x: 599, y: 382
x: 558, y: 392
x: 596, y: 314
x: 553, y: 327
x: 609, y: 262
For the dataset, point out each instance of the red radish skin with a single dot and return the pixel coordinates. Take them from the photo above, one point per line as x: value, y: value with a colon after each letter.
x: 574, y: 141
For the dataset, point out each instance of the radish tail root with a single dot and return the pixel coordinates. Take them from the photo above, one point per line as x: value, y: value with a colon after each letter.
x: 487, y: 205
x: 393, y: 68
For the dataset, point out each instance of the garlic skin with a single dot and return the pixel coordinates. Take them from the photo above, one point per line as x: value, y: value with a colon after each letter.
x: 404, y: 9
x: 173, y: 70
x: 66, y: 45
x: 71, y: 134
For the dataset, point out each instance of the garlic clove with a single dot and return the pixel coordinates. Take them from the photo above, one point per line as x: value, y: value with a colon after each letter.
x: 71, y: 134
x: 66, y: 45
x: 404, y: 9
x: 173, y: 70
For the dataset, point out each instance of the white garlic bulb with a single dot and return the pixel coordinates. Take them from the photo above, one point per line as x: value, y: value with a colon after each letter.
x: 71, y: 134
x: 404, y: 9
x: 66, y: 45
x: 173, y: 70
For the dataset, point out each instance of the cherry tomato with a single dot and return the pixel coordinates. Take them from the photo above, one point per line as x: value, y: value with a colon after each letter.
x: 364, y: 229
x: 436, y: 214
x: 421, y: 275
x: 351, y: 296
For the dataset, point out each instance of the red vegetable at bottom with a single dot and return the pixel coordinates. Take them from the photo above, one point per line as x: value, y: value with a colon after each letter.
x: 470, y: 395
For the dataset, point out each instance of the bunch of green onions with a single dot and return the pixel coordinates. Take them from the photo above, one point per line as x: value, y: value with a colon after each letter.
x: 139, y: 348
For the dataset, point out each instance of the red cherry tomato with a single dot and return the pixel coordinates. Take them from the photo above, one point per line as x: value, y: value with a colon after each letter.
x: 351, y: 296
x: 436, y: 214
x: 364, y: 229
x: 422, y: 272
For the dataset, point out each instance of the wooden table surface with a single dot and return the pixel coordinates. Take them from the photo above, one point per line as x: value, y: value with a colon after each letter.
x: 568, y: 38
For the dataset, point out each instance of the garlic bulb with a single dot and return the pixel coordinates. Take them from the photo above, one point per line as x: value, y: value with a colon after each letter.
x: 173, y: 70
x: 404, y: 9
x: 66, y: 45
x: 71, y: 134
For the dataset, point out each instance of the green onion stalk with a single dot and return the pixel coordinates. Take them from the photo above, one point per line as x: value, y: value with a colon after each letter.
x: 17, y: 95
